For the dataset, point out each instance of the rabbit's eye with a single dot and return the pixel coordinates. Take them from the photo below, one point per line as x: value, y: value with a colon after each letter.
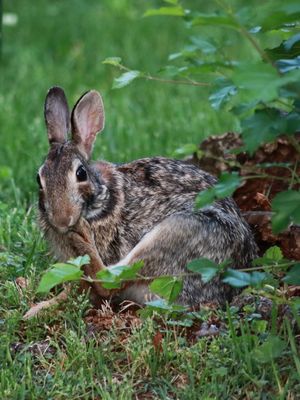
x: 38, y: 179
x: 81, y: 174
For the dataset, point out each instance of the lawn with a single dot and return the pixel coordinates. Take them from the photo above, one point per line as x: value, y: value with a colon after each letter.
x: 61, y: 354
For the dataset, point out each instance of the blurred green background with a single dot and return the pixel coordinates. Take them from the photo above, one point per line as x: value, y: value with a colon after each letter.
x: 63, y: 42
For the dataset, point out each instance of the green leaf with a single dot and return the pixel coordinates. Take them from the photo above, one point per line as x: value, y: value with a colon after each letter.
x: 261, y: 127
x: 227, y: 184
x: 109, y: 280
x: 126, y: 78
x: 258, y: 80
x: 293, y: 275
x: 80, y: 261
x: 286, y: 50
x: 116, y: 61
x: 219, y: 97
x: 286, y: 206
x: 161, y: 306
x: 205, y: 197
x: 274, y: 16
x: 206, y: 268
x: 60, y: 273
x: 292, y: 42
x: 242, y: 279
x: 112, y: 277
x: 274, y: 253
x: 130, y: 271
x: 288, y: 65
x: 171, y: 71
x: 272, y: 256
x: 259, y: 326
x: 167, y: 287
x: 207, y: 68
x: 215, y: 20
x: 270, y: 349
x: 202, y: 44
x: 177, y: 11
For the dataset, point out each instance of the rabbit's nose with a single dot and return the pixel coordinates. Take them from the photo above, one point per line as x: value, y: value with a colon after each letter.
x: 64, y: 223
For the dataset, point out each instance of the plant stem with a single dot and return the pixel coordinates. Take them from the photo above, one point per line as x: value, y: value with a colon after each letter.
x: 246, y: 34
x: 255, y: 44
x: 150, y: 278
x: 180, y: 82
x: 276, y: 377
x: 293, y: 347
x: 294, y: 175
x: 163, y: 80
x: 264, y: 176
x: 263, y: 267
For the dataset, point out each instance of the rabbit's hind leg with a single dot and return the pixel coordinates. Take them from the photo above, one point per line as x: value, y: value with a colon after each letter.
x: 181, y: 238
x: 165, y: 250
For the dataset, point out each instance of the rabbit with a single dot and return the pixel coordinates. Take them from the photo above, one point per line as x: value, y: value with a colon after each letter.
x: 141, y: 210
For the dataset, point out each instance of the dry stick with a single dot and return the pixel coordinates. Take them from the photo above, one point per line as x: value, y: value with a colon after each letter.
x: 34, y: 310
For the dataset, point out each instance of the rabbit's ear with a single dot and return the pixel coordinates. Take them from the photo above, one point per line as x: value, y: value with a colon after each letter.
x: 57, y: 115
x: 87, y: 120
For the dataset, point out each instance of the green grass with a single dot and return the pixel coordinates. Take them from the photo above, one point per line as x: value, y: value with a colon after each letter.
x: 63, y: 42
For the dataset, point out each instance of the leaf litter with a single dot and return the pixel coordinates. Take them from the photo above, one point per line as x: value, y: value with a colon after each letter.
x: 275, y: 163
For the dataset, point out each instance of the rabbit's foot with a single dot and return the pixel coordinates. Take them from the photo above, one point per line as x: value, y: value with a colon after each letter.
x: 83, y: 243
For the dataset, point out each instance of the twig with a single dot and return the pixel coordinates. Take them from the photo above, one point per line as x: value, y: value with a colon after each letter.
x: 246, y: 34
x: 186, y: 274
x: 163, y: 80
x: 180, y: 82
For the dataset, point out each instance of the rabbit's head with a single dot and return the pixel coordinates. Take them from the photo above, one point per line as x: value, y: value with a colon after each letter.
x: 69, y: 186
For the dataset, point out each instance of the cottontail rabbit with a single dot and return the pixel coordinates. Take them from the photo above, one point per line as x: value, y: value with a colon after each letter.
x: 143, y: 210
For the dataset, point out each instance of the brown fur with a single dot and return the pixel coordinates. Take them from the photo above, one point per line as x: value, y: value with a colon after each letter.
x: 143, y: 210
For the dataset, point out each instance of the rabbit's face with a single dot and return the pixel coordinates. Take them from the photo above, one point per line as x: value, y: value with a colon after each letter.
x: 59, y: 195
x: 69, y: 186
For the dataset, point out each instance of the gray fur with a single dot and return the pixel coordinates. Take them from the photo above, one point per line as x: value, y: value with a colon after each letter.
x: 143, y: 210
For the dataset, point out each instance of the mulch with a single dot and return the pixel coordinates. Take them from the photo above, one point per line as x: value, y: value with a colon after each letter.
x: 279, y: 161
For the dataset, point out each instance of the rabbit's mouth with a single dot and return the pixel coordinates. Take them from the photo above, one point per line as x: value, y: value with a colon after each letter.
x: 64, y: 225
x: 63, y: 229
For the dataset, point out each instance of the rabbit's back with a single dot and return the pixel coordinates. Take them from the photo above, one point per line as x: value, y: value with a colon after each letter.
x: 157, y: 188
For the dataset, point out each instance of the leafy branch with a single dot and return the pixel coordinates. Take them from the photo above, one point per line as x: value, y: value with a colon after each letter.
x: 169, y: 287
x: 130, y: 75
